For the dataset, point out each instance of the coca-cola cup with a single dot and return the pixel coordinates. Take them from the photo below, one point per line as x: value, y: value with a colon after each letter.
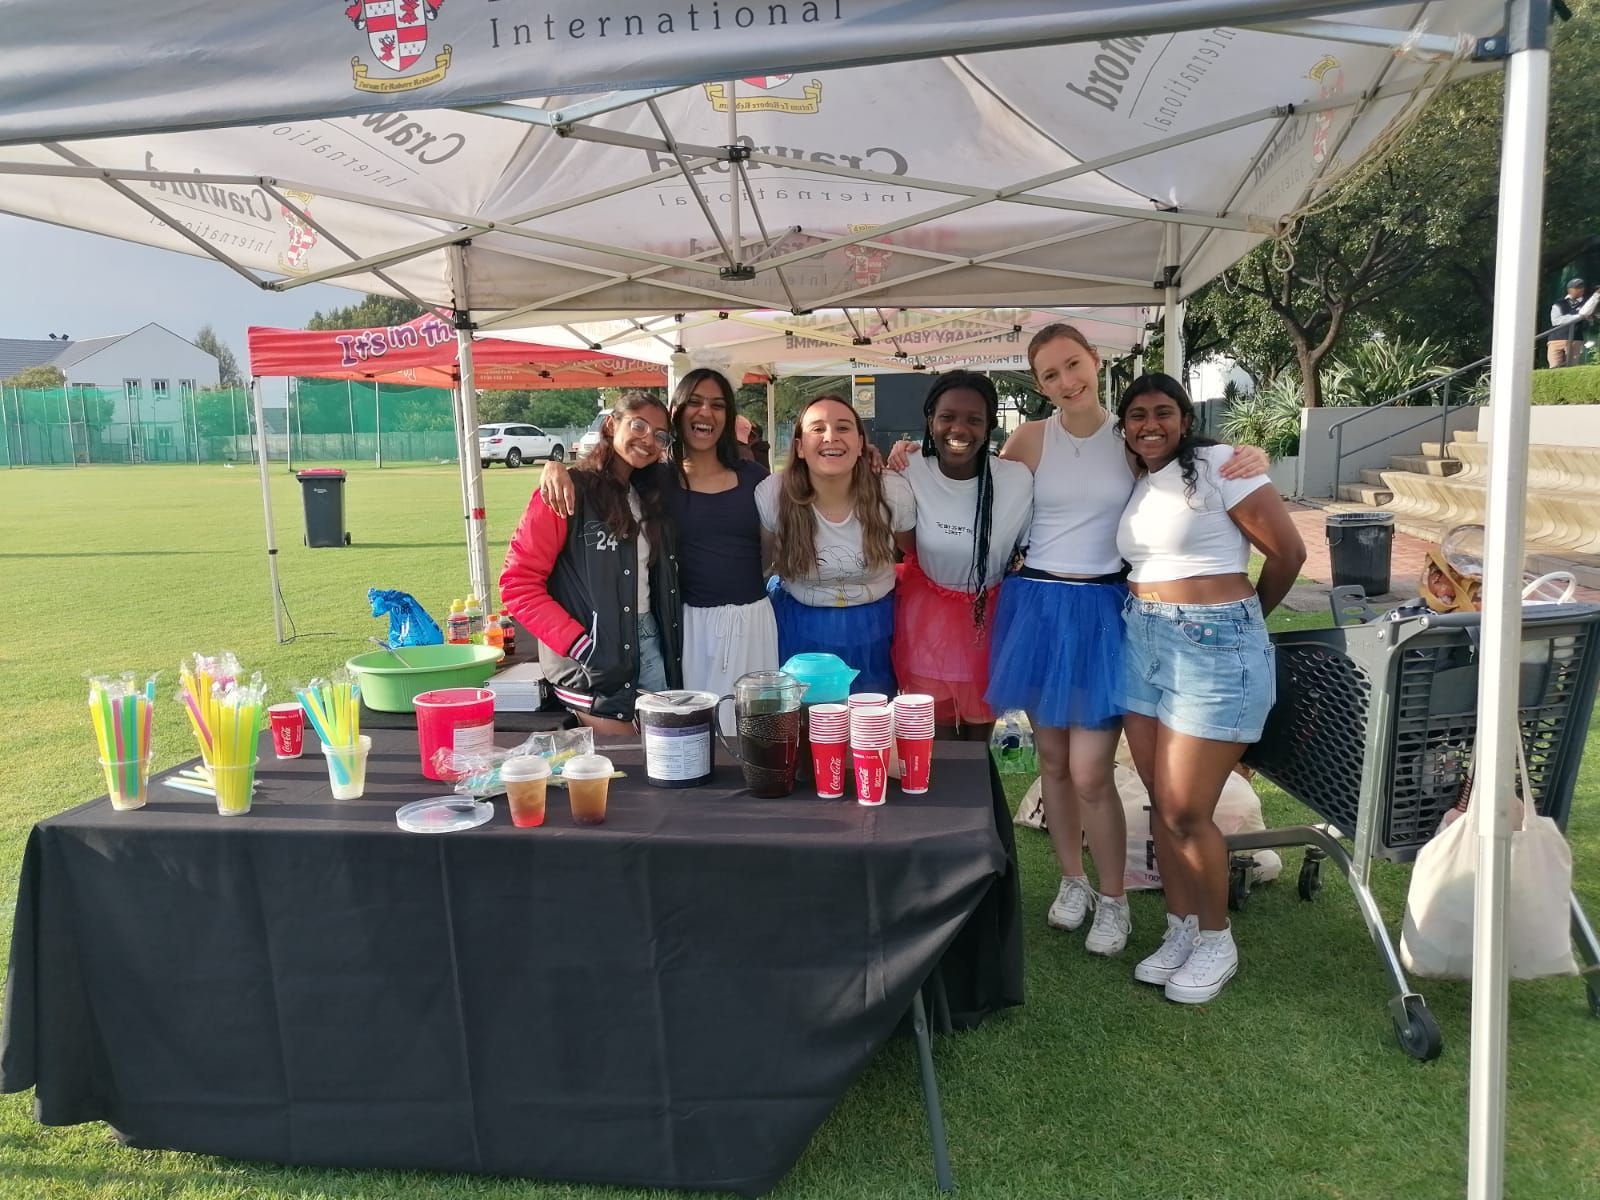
x: 871, y: 737
x: 830, y: 746
x: 913, y: 729
x: 288, y: 729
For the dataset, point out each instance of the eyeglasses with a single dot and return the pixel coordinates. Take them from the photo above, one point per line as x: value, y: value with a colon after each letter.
x: 638, y: 427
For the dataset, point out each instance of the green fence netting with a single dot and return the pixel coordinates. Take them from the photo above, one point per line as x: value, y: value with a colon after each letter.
x: 325, y: 420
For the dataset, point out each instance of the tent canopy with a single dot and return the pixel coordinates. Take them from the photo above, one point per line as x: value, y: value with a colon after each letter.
x: 1033, y: 176
x: 425, y: 352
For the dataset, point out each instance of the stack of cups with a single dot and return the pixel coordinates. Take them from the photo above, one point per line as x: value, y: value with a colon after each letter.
x: 913, y: 733
x: 871, y: 736
x: 830, y: 746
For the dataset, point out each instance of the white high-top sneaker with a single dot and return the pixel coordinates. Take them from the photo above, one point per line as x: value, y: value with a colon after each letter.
x: 1073, y: 901
x: 1211, y: 964
x: 1173, y: 952
x: 1112, y: 925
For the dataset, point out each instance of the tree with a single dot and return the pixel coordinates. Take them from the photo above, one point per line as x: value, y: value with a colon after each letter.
x: 372, y: 312
x: 227, y: 364
x: 557, y: 408
x: 42, y: 378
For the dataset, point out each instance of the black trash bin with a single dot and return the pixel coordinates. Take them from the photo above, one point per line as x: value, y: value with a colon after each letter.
x: 322, y: 489
x: 1359, y: 549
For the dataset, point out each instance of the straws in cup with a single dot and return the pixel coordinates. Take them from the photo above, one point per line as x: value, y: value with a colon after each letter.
x: 238, y: 712
x: 333, y: 706
x: 122, y: 713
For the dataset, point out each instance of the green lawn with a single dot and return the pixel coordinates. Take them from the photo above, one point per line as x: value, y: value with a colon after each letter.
x: 1291, y: 1085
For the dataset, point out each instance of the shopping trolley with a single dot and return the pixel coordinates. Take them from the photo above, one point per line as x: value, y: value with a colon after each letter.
x: 1373, y: 730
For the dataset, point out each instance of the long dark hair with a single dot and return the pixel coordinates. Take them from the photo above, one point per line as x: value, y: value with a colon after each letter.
x: 796, y: 555
x: 983, y: 519
x: 601, y: 488
x: 1155, y: 383
x: 727, y: 442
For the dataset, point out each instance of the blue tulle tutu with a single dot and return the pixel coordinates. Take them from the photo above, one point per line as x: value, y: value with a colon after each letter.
x: 1057, y: 652
x: 860, y: 634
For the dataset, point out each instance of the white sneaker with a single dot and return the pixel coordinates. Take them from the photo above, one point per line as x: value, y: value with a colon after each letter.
x: 1211, y: 964
x: 1073, y: 901
x: 1112, y: 925
x: 1173, y: 952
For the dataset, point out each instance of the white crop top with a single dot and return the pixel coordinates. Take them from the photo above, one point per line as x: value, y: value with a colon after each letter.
x: 1079, y: 491
x: 1167, y: 535
x: 946, y: 510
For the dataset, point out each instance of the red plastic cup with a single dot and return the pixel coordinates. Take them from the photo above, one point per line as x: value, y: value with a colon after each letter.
x: 872, y: 775
x: 288, y: 729
x: 827, y: 765
x: 916, y: 762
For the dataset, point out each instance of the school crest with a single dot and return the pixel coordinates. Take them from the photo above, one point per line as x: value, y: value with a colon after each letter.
x: 397, y: 35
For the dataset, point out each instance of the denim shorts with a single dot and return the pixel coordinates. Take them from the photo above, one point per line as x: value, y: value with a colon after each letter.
x: 652, y: 675
x: 1206, y: 670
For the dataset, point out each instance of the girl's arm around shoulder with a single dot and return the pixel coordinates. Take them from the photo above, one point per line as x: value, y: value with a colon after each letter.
x: 1025, y: 444
x: 525, y: 579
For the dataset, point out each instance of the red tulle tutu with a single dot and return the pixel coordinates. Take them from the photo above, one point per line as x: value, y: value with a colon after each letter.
x: 938, y: 650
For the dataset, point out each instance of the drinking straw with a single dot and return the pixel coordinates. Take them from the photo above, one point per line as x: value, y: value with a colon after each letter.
x: 130, y: 766
x: 99, y: 718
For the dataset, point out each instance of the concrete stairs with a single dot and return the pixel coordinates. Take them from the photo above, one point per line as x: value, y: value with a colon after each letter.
x: 1447, y: 484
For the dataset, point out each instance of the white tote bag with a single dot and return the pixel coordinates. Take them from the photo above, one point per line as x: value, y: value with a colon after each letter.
x: 1436, y: 939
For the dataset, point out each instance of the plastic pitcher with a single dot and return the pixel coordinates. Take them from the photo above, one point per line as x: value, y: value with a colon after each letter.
x: 766, y: 708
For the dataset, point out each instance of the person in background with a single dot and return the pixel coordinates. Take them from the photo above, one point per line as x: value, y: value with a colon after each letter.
x: 708, y: 496
x: 971, y: 509
x: 760, y: 448
x: 599, y: 587
x: 1569, y: 318
x: 831, y: 526
x: 742, y: 425
x: 1200, y: 678
x: 1057, y: 650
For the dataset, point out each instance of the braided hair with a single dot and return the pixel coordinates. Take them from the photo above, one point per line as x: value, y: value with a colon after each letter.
x: 983, y: 518
x: 1155, y: 383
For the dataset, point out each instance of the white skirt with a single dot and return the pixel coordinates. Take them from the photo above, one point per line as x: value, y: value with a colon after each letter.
x: 720, y: 644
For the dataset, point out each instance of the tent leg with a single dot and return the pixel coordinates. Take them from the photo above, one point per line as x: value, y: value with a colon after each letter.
x: 771, y: 431
x: 1522, y: 160
x: 266, y: 510
x: 1171, y: 313
x: 471, y: 470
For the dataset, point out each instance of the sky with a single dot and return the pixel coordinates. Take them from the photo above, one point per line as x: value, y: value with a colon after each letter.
x: 55, y: 280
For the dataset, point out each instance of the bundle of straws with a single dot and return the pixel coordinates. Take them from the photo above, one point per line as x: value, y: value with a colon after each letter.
x: 199, y: 676
x: 237, y: 712
x: 333, y: 707
x: 122, y: 713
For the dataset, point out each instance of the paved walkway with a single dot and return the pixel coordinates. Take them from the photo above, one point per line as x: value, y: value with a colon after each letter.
x: 1405, y: 572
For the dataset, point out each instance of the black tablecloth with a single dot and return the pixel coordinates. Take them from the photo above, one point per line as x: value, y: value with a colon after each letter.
x: 677, y: 997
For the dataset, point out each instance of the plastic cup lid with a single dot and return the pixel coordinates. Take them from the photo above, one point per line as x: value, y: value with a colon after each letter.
x: 443, y: 814
x: 675, y: 702
x: 587, y: 766
x: 525, y: 768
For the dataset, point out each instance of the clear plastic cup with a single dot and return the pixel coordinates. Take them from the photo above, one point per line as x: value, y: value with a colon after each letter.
x: 527, y: 779
x: 347, y: 768
x: 588, y: 778
x: 127, y: 782
x: 232, y: 786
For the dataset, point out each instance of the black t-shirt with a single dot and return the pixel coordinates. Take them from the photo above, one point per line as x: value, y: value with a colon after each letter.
x: 719, y: 538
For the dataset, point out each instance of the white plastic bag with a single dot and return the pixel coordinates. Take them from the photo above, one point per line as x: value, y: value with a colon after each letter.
x: 1436, y: 938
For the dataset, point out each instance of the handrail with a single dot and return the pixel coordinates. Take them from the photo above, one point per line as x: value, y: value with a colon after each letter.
x: 1336, y: 429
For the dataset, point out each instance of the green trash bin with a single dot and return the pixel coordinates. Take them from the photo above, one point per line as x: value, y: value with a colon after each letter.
x: 1360, y: 548
x: 322, y: 490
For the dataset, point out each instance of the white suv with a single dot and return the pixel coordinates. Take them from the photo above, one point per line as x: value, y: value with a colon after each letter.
x: 514, y: 443
x: 590, y: 438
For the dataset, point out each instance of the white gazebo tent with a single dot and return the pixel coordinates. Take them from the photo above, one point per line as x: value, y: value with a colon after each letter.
x: 615, y: 161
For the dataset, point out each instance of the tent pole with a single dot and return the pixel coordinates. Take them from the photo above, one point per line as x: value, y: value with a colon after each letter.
x: 771, y: 431
x: 350, y: 405
x: 1171, y: 318
x: 1522, y: 161
x: 377, y: 417
x: 467, y: 433
x: 266, y: 510
x: 288, y: 430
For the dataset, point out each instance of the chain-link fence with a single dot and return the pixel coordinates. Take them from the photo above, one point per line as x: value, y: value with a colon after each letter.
x: 325, y: 420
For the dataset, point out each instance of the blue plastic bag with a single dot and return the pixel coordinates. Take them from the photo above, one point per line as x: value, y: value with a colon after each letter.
x: 409, y: 622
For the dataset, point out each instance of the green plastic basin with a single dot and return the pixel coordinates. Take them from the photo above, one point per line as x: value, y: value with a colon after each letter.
x: 389, y: 687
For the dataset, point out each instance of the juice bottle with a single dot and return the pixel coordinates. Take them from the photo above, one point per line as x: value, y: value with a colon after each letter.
x: 457, y: 631
x: 475, y: 625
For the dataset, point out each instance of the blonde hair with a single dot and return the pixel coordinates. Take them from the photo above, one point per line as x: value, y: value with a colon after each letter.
x: 797, y: 529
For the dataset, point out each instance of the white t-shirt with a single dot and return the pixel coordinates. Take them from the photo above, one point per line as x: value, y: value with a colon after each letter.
x: 1165, y: 534
x: 841, y: 578
x: 642, y: 583
x: 947, y: 509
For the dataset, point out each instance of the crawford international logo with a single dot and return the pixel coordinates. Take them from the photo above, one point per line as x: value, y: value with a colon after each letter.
x: 777, y: 93
x: 397, y: 31
x: 296, y: 256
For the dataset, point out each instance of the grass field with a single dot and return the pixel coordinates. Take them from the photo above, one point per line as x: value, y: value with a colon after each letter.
x: 1290, y: 1086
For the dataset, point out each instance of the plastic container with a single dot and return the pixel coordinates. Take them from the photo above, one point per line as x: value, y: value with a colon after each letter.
x: 676, y: 727
x: 386, y: 686
x: 827, y: 677
x: 1360, y: 547
x: 457, y: 627
x: 455, y: 719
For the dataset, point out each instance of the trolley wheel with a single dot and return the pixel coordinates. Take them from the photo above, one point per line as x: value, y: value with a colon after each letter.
x: 1239, y: 867
x: 347, y: 539
x: 1419, y: 1035
x: 1310, y: 877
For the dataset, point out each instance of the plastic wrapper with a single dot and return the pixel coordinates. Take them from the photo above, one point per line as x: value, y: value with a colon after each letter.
x: 477, y: 772
x: 409, y: 622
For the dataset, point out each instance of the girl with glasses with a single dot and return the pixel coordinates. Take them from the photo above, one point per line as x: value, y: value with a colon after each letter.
x: 598, y: 583
x: 708, y: 493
